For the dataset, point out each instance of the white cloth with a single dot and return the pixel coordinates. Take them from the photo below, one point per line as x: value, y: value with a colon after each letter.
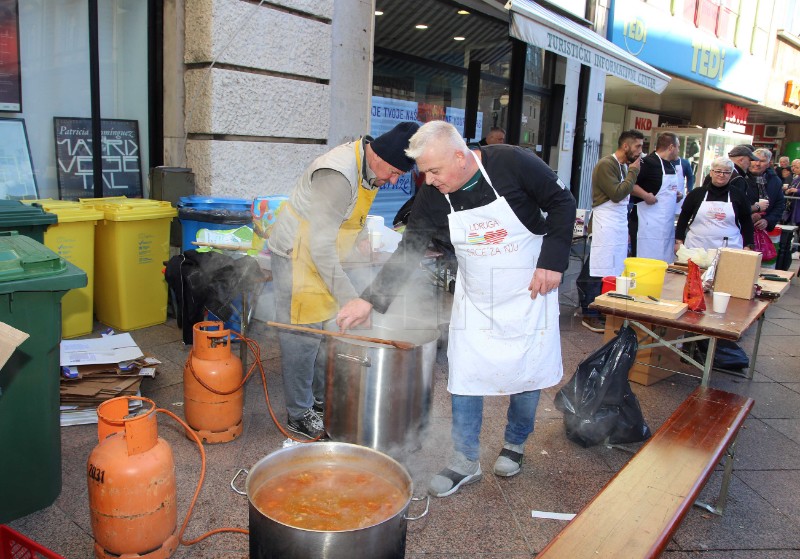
x: 714, y: 221
x: 500, y: 341
x: 681, y: 185
x: 656, y: 234
x: 609, y: 236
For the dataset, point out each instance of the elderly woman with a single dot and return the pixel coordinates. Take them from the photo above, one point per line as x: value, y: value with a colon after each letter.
x: 715, y: 211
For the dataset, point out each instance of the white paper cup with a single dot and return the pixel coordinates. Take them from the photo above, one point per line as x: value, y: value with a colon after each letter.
x: 624, y: 284
x: 763, y: 203
x: 719, y: 301
x: 375, y: 240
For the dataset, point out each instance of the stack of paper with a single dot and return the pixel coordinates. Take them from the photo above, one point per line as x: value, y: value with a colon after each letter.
x: 96, y: 370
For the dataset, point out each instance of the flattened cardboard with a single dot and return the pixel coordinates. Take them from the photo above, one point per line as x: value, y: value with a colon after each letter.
x: 737, y: 272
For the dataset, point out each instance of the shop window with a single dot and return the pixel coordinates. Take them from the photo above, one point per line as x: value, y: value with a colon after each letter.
x: 706, y: 15
x: 54, y: 63
x: 424, y: 50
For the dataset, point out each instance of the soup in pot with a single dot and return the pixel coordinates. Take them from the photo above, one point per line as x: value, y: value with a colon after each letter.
x: 329, y: 498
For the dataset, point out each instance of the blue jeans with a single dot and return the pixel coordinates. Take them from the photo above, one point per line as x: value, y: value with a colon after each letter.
x: 468, y: 416
x: 589, y: 287
x: 303, y: 356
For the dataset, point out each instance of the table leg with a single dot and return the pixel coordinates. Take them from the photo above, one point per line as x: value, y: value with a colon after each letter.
x: 755, y: 346
x: 709, y: 364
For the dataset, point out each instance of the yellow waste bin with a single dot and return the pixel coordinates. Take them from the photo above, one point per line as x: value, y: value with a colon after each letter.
x: 72, y: 238
x: 131, y: 245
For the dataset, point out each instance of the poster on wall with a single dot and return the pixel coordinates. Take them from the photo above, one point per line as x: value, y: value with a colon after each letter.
x: 122, y: 166
x: 17, y: 181
x: 10, y: 82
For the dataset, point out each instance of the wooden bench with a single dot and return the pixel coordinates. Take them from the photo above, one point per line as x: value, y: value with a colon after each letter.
x: 639, y: 510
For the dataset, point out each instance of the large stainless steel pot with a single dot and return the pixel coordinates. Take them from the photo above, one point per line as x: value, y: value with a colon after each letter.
x: 270, y: 539
x: 377, y: 395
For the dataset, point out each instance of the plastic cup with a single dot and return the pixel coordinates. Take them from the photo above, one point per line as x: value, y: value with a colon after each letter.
x: 624, y: 284
x: 763, y: 203
x: 719, y: 301
x: 375, y: 240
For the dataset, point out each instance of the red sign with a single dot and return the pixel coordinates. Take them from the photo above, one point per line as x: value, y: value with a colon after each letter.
x: 791, y: 95
x: 735, y: 113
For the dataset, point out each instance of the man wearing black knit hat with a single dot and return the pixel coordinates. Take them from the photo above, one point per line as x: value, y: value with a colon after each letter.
x: 321, y: 226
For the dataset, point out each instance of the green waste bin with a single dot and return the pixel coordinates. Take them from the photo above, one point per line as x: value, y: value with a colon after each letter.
x: 32, y: 281
x: 31, y: 221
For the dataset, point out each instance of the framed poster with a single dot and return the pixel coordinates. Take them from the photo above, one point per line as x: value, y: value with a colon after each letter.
x: 17, y: 181
x: 10, y: 81
x: 122, y: 166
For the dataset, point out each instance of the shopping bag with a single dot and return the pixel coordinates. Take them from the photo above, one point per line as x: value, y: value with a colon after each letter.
x: 763, y: 244
x: 598, y: 403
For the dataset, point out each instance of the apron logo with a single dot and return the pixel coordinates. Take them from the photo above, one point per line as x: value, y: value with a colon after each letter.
x: 716, y: 214
x: 488, y: 238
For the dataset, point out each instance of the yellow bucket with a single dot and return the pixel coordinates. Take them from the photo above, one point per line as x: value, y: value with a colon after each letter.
x: 72, y: 238
x: 647, y: 274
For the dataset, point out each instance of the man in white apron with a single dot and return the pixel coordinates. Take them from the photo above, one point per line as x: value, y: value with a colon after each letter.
x: 714, y: 212
x: 652, y: 221
x: 504, y: 334
x: 613, y: 179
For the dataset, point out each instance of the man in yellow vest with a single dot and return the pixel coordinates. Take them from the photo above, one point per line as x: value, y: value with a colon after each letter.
x: 319, y: 228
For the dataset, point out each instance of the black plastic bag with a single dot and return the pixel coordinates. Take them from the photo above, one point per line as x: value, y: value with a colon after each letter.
x: 728, y: 355
x: 598, y: 403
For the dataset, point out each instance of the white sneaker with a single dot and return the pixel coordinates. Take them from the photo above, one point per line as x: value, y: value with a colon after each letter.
x: 459, y: 471
x: 509, y: 462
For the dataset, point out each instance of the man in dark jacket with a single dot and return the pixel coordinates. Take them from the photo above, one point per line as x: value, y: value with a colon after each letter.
x: 764, y: 184
x: 741, y: 156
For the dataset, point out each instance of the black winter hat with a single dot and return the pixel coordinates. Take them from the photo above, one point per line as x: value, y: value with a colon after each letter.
x: 391, y: 146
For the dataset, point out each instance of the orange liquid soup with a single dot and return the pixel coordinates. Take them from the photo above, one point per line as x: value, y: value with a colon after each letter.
x: 329, y: 498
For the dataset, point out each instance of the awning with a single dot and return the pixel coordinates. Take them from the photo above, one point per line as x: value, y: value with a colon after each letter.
x: 544, y: 29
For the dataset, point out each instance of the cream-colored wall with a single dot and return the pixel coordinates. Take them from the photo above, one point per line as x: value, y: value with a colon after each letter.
x: 263, y: 112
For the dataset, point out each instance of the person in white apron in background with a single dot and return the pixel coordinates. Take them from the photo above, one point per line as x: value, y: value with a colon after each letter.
x: 656, y: 196
x: 613, y: 179
x: 504, y: 334
x: 715, y: 212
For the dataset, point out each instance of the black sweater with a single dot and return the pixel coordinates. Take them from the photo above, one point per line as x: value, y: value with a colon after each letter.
x: 529, y: 186
x: 741, y: 209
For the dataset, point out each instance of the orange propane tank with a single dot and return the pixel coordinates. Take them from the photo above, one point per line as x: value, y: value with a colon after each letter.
x: 212, y: 394
x: 132, y: 492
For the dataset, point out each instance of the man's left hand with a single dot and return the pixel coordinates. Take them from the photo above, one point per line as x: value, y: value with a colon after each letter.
x: 760, y: 224
x: 543, y: 282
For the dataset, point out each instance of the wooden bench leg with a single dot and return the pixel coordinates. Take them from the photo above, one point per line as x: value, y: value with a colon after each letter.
x: 719, y: 507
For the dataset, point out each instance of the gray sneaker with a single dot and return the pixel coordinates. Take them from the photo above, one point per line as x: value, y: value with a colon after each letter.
x: 509, y: 462
x: 309, y: 426
x: 459, y: 471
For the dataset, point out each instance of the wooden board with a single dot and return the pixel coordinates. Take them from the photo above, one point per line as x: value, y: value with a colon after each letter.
x: 670, y: 309
x: 779, y: 287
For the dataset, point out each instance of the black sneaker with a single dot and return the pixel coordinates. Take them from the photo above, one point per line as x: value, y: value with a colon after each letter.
x: 309, y: 426
x: 319, y: 408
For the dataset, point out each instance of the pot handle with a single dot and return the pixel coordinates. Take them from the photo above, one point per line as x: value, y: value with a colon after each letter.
x: 233, y: 481
x: 364, y: 361
x: 425, y: 512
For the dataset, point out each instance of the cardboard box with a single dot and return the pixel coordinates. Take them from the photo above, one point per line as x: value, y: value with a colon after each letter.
x: 737, y: 272
x: 642, y: 371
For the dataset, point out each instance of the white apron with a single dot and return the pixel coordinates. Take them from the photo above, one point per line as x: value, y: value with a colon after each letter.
x: 681, y: 186
x: 656, y: 235
x: 500, y: 341
x: 714, y: 221
x: 609, y: 236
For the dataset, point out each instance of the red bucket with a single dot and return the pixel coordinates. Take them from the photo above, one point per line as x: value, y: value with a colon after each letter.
x: 609, y: 284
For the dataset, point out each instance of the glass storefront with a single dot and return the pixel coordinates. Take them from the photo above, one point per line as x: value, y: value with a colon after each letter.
x: 56, y: 94
x: 435, y: 59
